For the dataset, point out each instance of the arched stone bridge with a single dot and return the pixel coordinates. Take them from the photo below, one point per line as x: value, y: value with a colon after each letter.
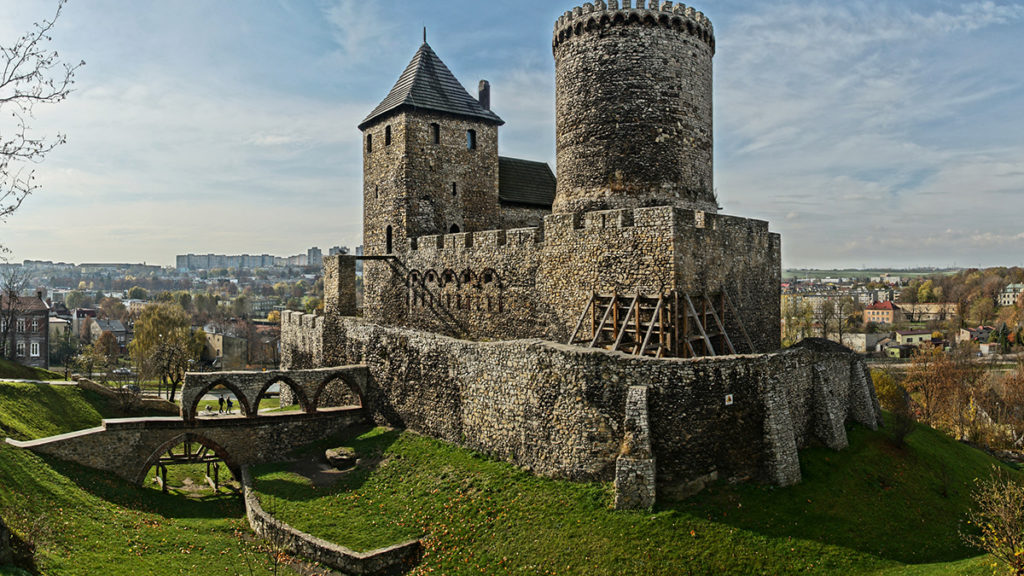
x: 307, y: 387
x: 130, y: 447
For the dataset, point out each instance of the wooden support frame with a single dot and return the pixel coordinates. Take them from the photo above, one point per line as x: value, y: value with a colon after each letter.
x: 721, y: 327
x: 739, y: 321
x: 700, y: 327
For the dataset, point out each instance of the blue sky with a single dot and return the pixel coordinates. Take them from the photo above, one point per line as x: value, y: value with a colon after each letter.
x: 888, y: 133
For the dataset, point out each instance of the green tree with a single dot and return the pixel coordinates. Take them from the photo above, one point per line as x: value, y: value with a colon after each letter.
x: 138, y: 293
x: 113, y: 309
x: 164, y: 346
x: 78, y: 299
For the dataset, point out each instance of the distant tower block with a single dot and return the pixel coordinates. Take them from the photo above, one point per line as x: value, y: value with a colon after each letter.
x: 633, y: 107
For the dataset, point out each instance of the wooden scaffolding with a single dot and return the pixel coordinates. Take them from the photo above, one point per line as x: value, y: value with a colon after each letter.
x: 672, y: 325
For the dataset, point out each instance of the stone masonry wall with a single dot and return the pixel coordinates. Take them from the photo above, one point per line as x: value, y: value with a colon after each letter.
x: 415, y: 187
x: 633, y: 107
x: 522, y: 216
x: 561, y: 411
x: 535, y: 282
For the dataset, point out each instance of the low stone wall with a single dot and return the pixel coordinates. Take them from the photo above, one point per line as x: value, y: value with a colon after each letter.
x: 379, y: 561
x: 561, y: 411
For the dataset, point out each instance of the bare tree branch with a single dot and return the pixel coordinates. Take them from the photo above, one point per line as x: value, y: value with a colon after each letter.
x: 32, y: 74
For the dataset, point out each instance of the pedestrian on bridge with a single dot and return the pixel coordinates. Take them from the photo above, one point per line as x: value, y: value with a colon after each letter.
x: 220, y: 401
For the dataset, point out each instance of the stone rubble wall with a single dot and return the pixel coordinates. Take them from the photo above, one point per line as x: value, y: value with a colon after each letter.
x: 560, y: 411
x: 535, y: 282
x: 633, y: 108
x: 383, y: 560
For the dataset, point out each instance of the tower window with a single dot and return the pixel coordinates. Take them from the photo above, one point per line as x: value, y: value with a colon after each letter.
x: 435, y: 133
x: 470, y: 139
x: 454, y: 229
x: 455, y: 190
x: 387, y: 240
x: 376, y: 191
x: 387, y: 135
x: 369, y: 143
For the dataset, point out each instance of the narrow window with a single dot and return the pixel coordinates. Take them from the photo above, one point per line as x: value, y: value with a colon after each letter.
x: 376, y: 191
x: 387, y: 234
x: 455, y: 190
x: 21, y: 349
x: 35, y: 325
x: 435, y: 133
x: 454, y: 229
x: 387, y: 135
x: 470, y: 139
x: 369, y: 143
x: 21, y: 324
x: 35, y: 349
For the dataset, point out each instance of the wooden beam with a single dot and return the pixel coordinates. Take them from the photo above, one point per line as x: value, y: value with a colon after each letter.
x: 604, y: 319
x: 582, y: 317
x: 739, y: 320
x: 704, y: 336
x: 625, y: 321
x: 650, y: 329
x: 721, y: 327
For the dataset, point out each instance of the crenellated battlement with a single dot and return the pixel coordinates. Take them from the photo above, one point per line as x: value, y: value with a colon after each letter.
x: 557, y: 227
x: 600, y: 14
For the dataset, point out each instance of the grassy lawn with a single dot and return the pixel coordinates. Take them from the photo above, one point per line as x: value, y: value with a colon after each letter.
x: 873, y: 509
x: 81, y: 521
x: 13, y: 371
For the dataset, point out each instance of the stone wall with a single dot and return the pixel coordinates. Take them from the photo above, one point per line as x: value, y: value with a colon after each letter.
x: 561, y: 411
x: 384, y: 560
x: 535, y: 282
x: 522, y: 216
x: 633, y: 107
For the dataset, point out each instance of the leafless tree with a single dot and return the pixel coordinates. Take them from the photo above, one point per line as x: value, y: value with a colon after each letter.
x: 30, y: 74
x: 12, y: 282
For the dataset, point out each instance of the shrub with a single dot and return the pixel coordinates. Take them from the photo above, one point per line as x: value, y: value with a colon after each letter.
x: 998, y: 516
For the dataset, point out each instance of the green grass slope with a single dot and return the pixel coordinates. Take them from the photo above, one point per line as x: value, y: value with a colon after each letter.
x: 14, y: 371
x: 80, y: 521
x: 872, y: 509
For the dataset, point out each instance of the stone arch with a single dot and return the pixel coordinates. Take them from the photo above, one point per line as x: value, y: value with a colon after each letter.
x: 189, y: 412
x: 591, y: 24
x: 297, y: 392
x: 348, y: 380
x: 633, y: 18
x: 605, y: 21
x: 140, y: 476
x: 618, y: 19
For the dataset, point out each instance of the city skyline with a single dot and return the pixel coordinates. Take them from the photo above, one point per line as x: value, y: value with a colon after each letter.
x: 867, y: 135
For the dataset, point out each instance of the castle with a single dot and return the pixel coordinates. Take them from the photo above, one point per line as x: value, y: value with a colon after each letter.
x: 605, y: 324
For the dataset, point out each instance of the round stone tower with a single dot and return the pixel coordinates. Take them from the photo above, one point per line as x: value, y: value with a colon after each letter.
x: 633, y: 107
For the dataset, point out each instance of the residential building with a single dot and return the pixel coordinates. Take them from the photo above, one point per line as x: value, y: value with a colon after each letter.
x: 25, y: 322
x: 1011, y: 295
x: 913, y: 337
x: 882, y: 313
x: 932, y: 312
x: 979, y: 334
x: 115, y: 327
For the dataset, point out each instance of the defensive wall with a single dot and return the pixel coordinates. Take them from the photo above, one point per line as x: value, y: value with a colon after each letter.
x: 535, y: 282
x: 562, y: 411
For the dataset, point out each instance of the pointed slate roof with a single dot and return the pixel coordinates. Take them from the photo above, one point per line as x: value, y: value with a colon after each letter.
x: 427, y: 84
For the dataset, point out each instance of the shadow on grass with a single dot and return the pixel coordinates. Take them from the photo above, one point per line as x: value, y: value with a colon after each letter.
x: 901, y: 504
x: 127, y: 495
x: 369, y: 450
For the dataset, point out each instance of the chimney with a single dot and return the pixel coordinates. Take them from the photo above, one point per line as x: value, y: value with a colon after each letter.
x: 485, y: 94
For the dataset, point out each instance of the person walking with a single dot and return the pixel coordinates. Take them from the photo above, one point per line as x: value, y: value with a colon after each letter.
x: 220, y: 401
x: 229, y: 405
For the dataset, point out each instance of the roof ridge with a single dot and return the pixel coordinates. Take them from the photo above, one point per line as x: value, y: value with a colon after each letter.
x: 428, y: 84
